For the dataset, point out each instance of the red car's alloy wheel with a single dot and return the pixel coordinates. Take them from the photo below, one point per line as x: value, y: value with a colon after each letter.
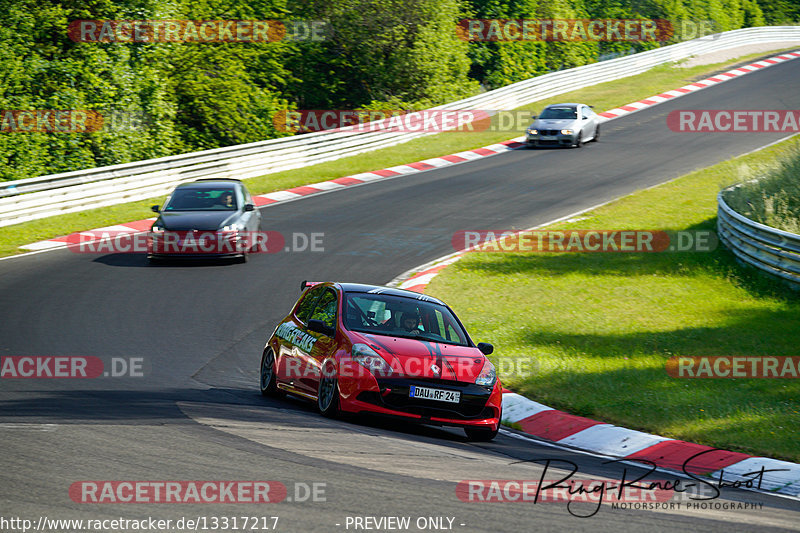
x: 267, y: 380
x: 328, y: 394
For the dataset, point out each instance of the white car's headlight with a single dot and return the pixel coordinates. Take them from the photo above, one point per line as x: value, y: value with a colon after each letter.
x: 567, y: 132
x: 230, y: 227
x: 369, y: 359
x: 488, y: 375
x: 532, y: 131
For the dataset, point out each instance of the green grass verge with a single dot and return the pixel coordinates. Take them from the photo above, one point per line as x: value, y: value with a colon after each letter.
x: 598, y: 328
x: 602, y: 96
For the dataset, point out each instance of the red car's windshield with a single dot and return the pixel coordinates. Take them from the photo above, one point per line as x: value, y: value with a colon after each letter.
x: 396, y: 316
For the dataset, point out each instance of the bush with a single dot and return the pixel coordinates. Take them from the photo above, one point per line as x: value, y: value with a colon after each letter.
x: 774, y: 199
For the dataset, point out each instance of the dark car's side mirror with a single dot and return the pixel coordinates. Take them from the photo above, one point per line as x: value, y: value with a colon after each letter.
x: 321, y: 327
x: 534, y: 117
x: 485, y: 348
x: 249, y: 207
x: 155, y: 209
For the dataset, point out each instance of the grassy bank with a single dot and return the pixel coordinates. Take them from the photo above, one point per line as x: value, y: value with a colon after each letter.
x: 774, y: 199
x: 599, y: 328
x: 603, y: 96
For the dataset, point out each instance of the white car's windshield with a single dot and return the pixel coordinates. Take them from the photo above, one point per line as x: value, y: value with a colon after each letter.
x: 559, y: 112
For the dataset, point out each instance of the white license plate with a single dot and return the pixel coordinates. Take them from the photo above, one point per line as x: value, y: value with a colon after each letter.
x: 547, y: 138
x: 440, y: 395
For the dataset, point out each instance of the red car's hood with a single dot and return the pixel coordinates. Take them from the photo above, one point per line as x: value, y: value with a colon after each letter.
x: 427, y: 359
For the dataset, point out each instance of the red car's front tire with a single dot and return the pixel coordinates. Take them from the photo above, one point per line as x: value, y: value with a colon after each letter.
x: 267, y: 378
x: 328, y: 393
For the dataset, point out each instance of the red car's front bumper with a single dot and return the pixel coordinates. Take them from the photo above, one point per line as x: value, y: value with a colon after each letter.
x: 478, y: 407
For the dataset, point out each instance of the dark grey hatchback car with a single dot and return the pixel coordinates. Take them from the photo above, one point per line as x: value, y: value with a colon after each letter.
x: 205, y: 218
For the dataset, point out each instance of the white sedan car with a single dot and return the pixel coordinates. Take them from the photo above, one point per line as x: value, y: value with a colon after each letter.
x: 564, y: 125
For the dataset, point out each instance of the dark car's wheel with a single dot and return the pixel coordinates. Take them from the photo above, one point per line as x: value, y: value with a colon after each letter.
x: 579, y: 140
x: 596, y: 134
x: 268, y: 383
x: 328, y: 393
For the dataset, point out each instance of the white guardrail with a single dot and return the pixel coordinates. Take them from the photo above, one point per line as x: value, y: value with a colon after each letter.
x: 768, y: 249
x: 44, y: 196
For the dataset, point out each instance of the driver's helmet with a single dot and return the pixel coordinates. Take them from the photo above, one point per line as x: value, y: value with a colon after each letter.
x: 409, y: 316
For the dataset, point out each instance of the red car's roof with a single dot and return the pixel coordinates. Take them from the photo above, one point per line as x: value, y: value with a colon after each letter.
x: 375, y: 289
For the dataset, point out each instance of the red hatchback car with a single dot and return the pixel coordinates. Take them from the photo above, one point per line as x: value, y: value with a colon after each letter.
x: 356, y: 348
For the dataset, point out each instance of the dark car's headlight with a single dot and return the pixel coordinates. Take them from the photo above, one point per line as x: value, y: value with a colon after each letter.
x: 488, y: 375
x: 157, y: 229
x: 230, y: 227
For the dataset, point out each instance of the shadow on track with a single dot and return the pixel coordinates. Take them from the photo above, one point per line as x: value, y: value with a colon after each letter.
x: 140, y: 261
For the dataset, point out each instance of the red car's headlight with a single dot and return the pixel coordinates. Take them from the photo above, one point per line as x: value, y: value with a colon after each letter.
x: 369, y: 358
x: 488, y: 375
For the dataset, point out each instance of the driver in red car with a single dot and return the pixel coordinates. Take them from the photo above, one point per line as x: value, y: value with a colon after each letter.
x: 409, y: 321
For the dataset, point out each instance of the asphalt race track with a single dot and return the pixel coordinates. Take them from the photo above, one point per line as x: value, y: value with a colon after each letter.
x: 199, y: 329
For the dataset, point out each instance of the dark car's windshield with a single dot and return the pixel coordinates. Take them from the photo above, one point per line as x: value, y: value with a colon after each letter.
x: 559, y: 112
x: 190, y: 199
x: 396, y: 316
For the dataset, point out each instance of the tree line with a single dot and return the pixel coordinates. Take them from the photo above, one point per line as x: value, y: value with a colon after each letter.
x: 164, y: 98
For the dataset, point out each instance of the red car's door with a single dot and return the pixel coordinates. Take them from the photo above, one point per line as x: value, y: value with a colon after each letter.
x: 325, y: 310
x: 293, y: 338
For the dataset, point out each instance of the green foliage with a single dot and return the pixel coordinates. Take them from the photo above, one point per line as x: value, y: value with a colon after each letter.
x: 160, y: 99
x: 774, y: 199
x: 780, y: 12
x: 383, y: 49
x: 496, y: 64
